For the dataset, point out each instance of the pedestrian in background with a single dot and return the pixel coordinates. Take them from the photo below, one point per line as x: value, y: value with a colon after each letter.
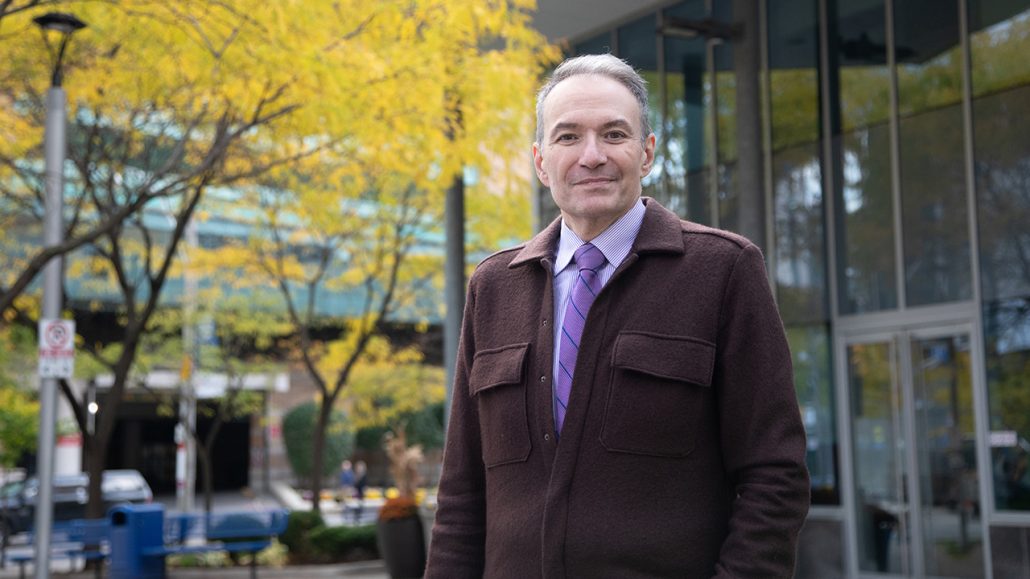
x: 360, y: 483
x: 346, y: 490
x: 623, y: 401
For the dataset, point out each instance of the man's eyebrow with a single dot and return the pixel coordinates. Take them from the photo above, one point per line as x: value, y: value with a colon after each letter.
x: 616, y: 123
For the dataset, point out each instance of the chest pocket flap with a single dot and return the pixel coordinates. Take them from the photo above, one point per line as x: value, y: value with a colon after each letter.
x: 497, y: 382
x: 671, y: 357
x: 496, y: 367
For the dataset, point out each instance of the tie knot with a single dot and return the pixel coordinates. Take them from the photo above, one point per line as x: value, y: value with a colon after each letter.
x: 588, y: 257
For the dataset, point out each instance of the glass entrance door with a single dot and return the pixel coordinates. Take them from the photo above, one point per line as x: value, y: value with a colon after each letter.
x: 915, y: 488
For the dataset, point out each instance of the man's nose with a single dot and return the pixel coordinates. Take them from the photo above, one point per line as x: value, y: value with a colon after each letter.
x: 592, y: 154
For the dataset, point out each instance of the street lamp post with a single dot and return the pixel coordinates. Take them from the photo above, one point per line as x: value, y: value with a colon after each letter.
x: 55, y: 146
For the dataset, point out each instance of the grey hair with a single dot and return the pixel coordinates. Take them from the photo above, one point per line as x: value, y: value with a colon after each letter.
x: 603, y: 65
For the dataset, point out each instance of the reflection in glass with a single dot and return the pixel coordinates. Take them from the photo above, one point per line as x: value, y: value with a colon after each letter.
x: 866, y: 261
x: 680, y: 158
x: 800, y: 252
x: 800, y: 248
x: 879, y: 466
x: 946, y: 444
x: 863, y: 202
x: 1007, y: 341
x: 1002, y: 152
x: 934, y: 216
x: 726, y: 136
x: 637, y: 46
x: 1001, y: 89
x: 810, y: 353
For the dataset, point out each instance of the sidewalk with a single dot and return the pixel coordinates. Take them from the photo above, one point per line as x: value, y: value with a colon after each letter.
x: 237, y: 501
x: 362, y: 570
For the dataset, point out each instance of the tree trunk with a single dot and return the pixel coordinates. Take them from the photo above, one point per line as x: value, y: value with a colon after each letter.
x: 95, y: 468
x: 324, y: 410
x: 204, y: 453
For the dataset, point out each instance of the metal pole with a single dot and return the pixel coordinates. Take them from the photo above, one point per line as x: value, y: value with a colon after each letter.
x: 186, y: 485
x: 454, y: 280
x: 54, y: 143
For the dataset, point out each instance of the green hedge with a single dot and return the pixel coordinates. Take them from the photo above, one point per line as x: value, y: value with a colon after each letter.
x: 310, y: 541
x: 296, y: 536
x: 346, y: 543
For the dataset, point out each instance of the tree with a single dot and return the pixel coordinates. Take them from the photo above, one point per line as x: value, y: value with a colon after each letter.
x: 18, y: 407
x: 353, y: 226
x: 341, y: 115
x: 169, y: 100
x: 299, y: 425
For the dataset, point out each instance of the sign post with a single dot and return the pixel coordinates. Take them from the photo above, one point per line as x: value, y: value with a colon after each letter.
x: 56, y: 348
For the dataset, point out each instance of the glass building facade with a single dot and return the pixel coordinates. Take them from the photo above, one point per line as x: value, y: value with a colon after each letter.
x: 895, y: 163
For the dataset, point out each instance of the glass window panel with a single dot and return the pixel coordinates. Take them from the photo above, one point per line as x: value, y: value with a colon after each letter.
x: 726, y: 137
x: 681, y: 152
x: 879, y: 467
x: 800, y: 263
x: 999, y: 43
x: 794, y: 70
x: 863, y: 202
x: 935, y: 219
x: 1007, y: 338
x: 934, y: 211
x: 946, y: 445
x: 866, y: 263
x: 638, y: 47
x: 800, y: 269
x: 810, y: 352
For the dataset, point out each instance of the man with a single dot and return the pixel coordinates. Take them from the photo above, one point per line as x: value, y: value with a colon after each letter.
x: 623, y: 408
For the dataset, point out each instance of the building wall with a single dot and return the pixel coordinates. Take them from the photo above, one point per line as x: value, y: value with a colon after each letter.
x: 896, y: 173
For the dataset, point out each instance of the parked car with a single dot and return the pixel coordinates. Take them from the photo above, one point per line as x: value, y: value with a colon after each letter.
x: 70, y: 495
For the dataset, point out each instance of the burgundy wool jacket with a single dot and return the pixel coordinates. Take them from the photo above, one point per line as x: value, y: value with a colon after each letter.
x: 683, y: 450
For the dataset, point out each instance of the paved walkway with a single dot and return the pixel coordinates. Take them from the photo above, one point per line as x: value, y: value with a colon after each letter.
x: 235, y: 501
x: 362, y: 570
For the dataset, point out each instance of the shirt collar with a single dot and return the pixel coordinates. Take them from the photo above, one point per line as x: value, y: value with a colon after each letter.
x: 614, y: 242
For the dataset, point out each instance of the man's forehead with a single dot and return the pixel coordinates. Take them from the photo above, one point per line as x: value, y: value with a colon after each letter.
x: 594, y: 97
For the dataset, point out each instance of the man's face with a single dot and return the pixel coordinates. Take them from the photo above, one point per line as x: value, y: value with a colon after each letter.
x: 592, y: 156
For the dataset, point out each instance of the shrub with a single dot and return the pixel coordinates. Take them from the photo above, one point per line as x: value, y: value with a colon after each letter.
x: 346, y: 543
x: 299, y: 436
x: 296, y: 537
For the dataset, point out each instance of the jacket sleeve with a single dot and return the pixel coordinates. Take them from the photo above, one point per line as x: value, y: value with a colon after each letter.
x: 762, y: 435
x: 458, y: 543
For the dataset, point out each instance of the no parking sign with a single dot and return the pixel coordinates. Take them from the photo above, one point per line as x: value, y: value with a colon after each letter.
x: 56, y: 348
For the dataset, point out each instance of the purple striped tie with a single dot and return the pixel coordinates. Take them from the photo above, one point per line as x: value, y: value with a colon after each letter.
x: 588, y: 259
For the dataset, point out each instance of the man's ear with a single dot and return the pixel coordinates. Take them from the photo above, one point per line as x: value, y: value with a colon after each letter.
x: 648, y: 164
x: 538, y: 164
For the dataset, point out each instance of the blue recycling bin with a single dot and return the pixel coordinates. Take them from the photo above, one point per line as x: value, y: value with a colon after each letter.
x: 135, y: 530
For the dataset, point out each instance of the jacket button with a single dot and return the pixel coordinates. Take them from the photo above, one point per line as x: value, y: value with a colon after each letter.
x: 543, y: 378
x: 547, y: 436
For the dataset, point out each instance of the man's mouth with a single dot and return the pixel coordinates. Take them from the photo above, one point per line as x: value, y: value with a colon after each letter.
x: 593, y: 180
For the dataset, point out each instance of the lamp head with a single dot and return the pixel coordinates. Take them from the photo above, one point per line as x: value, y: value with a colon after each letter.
x: 65, y: 25
x: 59, y: 22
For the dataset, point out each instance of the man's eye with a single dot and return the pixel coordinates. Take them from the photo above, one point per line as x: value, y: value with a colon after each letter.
x: 616, y: 135
x: 566, y: 137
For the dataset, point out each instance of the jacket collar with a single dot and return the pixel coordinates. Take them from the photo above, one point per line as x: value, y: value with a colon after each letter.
x: 661, y: 232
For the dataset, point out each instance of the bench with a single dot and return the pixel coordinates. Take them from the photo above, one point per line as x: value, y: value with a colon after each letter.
x: 85, y: 539
x: 230, y: 532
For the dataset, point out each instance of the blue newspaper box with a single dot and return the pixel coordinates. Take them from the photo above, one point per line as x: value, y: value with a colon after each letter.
x: 137, y: 536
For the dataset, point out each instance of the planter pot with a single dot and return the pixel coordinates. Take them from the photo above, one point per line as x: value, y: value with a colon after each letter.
x: 402, y: 545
